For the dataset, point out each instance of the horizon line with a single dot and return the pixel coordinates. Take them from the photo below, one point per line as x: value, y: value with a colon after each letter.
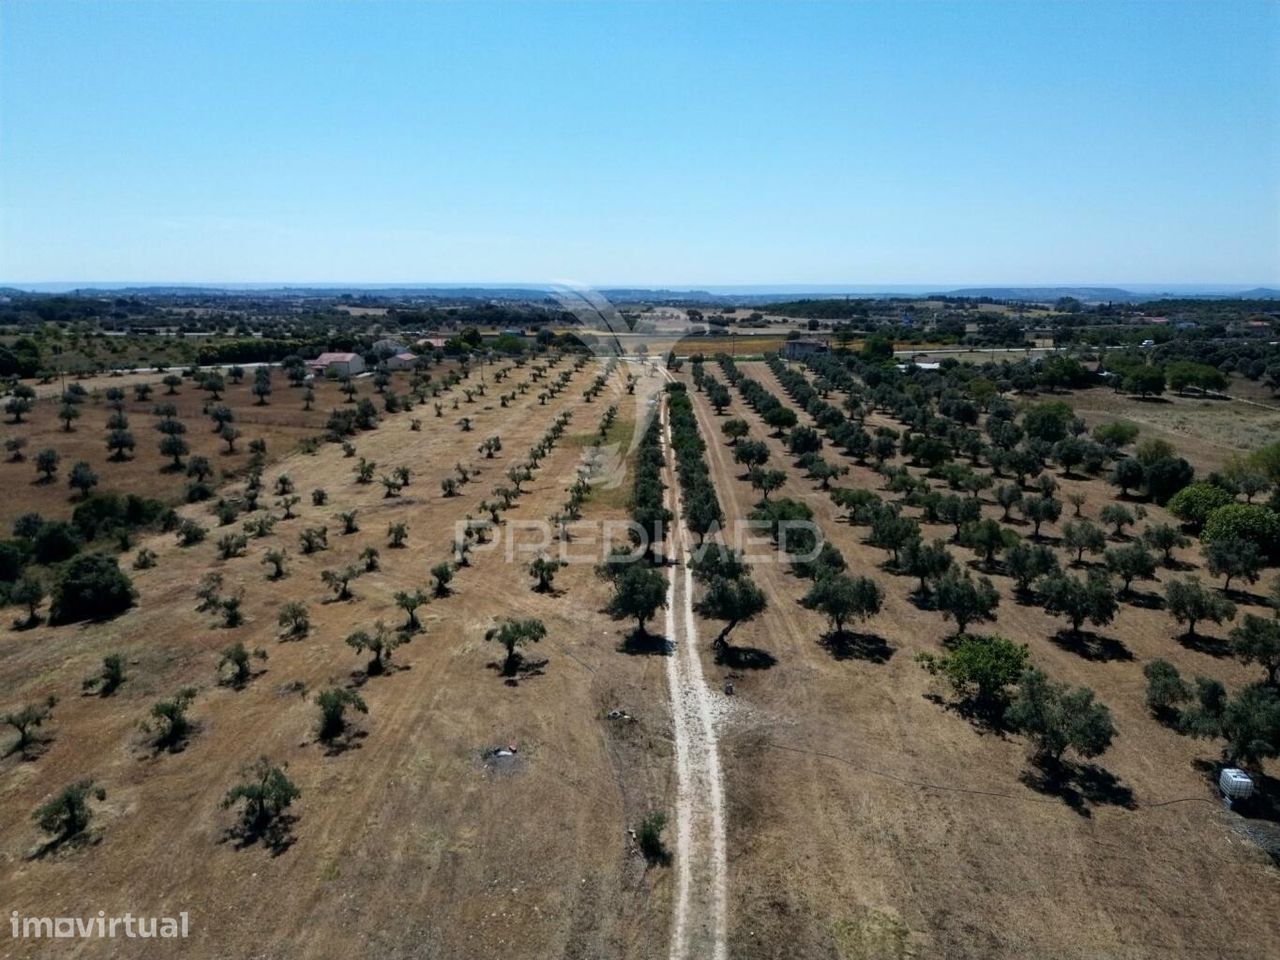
x: 791, y: 286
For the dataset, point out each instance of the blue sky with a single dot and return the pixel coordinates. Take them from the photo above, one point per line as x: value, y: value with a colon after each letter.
x: 640, y: 143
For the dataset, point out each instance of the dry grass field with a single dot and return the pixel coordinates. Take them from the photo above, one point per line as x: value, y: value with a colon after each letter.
x: 282, y: 423
x: 408, y: 842
x: 869, y: 820
x: 1205, y: 430
x: 866, y: 817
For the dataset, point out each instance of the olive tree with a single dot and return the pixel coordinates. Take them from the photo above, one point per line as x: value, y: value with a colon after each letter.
x: 294, y: 621
x: 1166, y: 538
x: 1257, y: 640
x: 27, y: 721
x: 965, y: 600
x: 168, y: 719
x: 67, y: 815
x: 109, y: 679
x: 1029, y: 562
x: 980, y: 669
x: 1057, y: 718
x: 638, y: 593
x: 543, y: 569
x: 1117, y: 516
x: 1233, y: 558
x: 513, y: 634
x: 1130, y: 562
x: 442, y: 575
x: 1083, y: 537
x: 1189, y: 602
x: 264, y: 794
x: 381, y: 643
x: 333, y: 703
x: 235, y: 664
x: 842, y: 598
x: 737, y: 600
x: 409, y: 602
x: 1090, y: 599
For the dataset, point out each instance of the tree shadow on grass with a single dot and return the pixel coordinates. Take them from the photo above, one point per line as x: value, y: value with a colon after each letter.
x: 277, y: 836
x: 349, y: 739
x: 1080, y: 786
x: 922, y: 601
x: 1211, y: 646
x: 744, y: 658
x: 521, y: 669
x: 1143, y: 600
x: 851, y: 645
x: 33, y: 749
x: 642, y: 643
x: 1092, y: 646
x: 227, y: 681
x: 986, y: 719
x: 1243, y: 598
x: 159, y: 744
x: 75, y: 841
x: 360, y: 677
x: 1025, y: 598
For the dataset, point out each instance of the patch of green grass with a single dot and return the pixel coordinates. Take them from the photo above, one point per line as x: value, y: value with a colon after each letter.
x: 872, y: 935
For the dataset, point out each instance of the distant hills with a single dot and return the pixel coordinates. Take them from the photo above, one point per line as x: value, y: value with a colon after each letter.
x: 1114, y: 294
x: 756, y: 295
x: 1043, y: 293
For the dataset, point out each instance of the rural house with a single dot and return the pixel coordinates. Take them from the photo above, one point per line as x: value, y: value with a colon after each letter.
x: 341, y: 364
x: 401, y: 361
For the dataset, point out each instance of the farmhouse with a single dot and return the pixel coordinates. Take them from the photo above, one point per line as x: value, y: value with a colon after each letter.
x: 401, y: 361
x: 799, y: 349
x: 342, y: 364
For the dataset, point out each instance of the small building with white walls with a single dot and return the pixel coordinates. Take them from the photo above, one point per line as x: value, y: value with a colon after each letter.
x: 338, y: 364
x: 401, y: 361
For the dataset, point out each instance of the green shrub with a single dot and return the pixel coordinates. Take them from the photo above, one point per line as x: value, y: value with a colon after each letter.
x: 92, y: 586
x: 1194, y: 502
x: 649, y: 837
x: 55, y: 541
x: 1251, y: 522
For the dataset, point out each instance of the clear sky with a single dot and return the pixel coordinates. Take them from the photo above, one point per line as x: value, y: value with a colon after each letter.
x: 640, y: 143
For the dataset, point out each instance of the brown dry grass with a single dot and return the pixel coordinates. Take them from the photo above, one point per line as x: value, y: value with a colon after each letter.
x: 1205, y: 431
x: 406, y: 843
x: 282, y: 423
x: 868, y: 820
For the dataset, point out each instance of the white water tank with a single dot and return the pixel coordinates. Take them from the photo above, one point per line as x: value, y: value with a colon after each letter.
x: 1235, y: 784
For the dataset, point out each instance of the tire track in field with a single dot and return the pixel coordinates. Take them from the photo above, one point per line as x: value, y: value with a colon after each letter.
x: 699, y: 923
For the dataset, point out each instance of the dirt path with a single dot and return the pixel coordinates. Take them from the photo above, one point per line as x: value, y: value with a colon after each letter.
x: 699, y: 923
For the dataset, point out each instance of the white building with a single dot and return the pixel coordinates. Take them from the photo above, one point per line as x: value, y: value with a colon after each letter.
x: 402, y: 361
x: 339, y: 364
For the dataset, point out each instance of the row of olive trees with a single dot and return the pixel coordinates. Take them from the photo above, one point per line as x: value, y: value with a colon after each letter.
x: 1230, y: 554
x: 266, y: 792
